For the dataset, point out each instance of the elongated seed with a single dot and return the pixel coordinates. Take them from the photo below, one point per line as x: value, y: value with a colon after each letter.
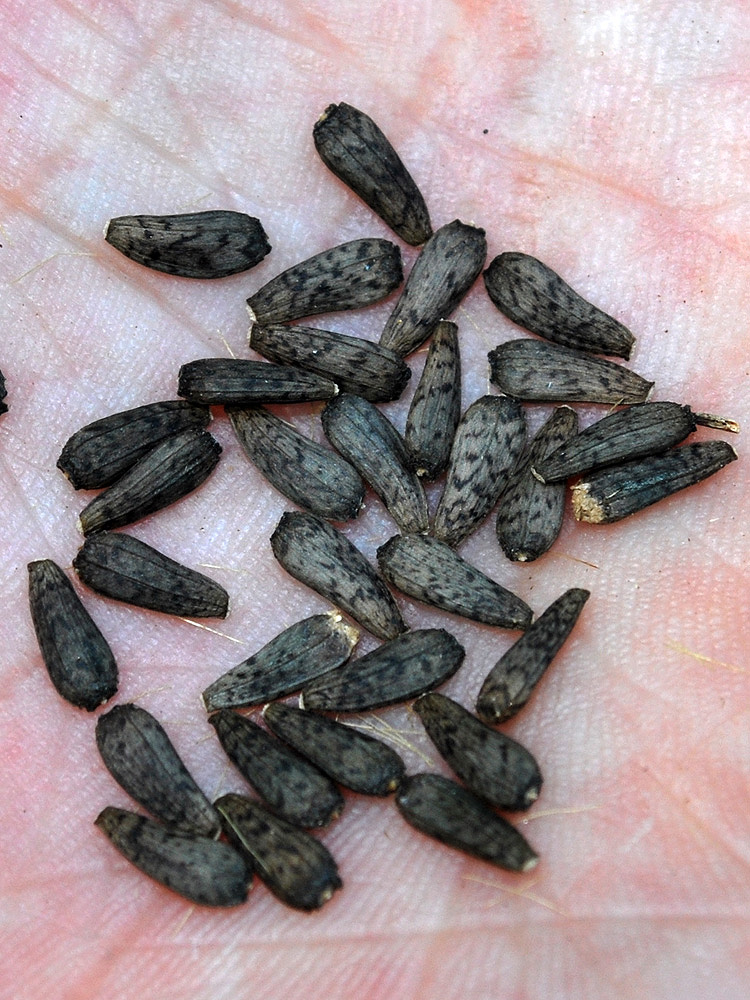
x: 318, y: 555
x: 445, y: 270
x: 171, y: 470
x: 536, y: 297
x: 353, y: 147
x: 239, y: 382
x: 202, y: 870
x: 436, y: 407
x: 3, y: 394
x: 79, y: 662
x: 297, y: 868
x: 397, y: 671
x: 126, y: 569
x: 354, y: 364
x: 140, y: 757
x: 548, y: 373
x: 512, y: 680
x: 487, y: 445
x: 356, y: 760
x: 430, y: 571
x: 313, y: 477
x: 443, y: 810
x: 618, y: 492
x: 367, y: 439
x: 348, y: 276
x: 491, y: 764
x: 292, y: 786
x: 531, y: 512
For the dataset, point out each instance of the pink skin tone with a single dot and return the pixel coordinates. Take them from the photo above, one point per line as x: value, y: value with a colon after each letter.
x: 609, y: 142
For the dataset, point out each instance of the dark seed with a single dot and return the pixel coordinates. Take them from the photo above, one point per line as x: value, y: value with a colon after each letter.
x: 296, y: 867
x: 3, y: 394
x: 238, y: 382
x: 537, y: 298
x: 367, y: 439
x: 349, y: 276
x: 356, y: 760
x: 79, y: 661
x: 202, y: 870
x: 126, y: 569
x: 319, y: 556
x: 512, y: 680
x: 140, y: 757
x: 197, y: 245
x: 354, y: 148
x: 431, y: 571
x: 451, y: 814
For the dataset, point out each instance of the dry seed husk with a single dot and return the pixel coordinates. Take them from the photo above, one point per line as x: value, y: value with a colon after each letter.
x: 318, y: 555
x: 449, y: 813
x: 78, y: 659
x: 202, y: 870
x: 536, y: 297
x: 367, y: 439
x: 297, y: 868
x: 239, y: 382
x: 436, y: 407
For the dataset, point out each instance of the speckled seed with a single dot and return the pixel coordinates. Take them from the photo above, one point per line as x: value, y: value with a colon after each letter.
x: 238, y: 382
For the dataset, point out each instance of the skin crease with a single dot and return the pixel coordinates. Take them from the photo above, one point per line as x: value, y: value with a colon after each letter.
x: 610, y: 141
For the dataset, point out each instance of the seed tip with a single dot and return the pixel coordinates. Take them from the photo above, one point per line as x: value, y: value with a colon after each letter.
x: 586, y: 508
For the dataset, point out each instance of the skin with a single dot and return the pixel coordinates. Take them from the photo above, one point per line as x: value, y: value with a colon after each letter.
x: 609, y: 140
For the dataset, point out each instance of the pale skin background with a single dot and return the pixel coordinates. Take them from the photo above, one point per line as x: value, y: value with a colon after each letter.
x: 615, y: 149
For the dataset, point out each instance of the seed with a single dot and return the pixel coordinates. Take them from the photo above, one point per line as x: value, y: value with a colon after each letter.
x: 79, y: 662
x: 397, y: 671
x: 431, y: 571
x: 99, y: 453
x: 354, y: 148
x: 488, y: 443
x: 348, y: 276
x: 547, y: 373
x: 238, y: 382
x: 451, y: 814
x: 491, y: 764
x: 611, y: 494
x: 445, y: 270
x: 202, y: 870
x: 510, y: 683
x: 196, y: 245
x: 356, y: 760
x: 367, y: 439
x: 292, y: 786
x: 355, y: 365
x: 140, y: 757
x: 285, y: 664
x: 297, y: 868
x: 3, y: 394
x: 534, y: 296
x: 126, y: 569
x: 318, y: 555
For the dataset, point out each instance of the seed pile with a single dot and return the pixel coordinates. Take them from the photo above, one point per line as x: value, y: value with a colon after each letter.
x: 152, y: 456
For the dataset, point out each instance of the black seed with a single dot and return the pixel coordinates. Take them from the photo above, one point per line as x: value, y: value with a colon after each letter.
x: 126, y: 569
x: 197, y: 245
x: 443, y: 273
x: 512, y: 680
x: 202, y: 870
x: 367, y: 439
x: 140, y: 757
x: 488, y: 443
x: 451, y: 814
x: 611, y: 494
x: 296, y: 867
x: 490, y: 763
x: 354, y: 148
x: 431, y: 571
x: 291, y: 785
x: 537, y: 298
x: 318, y: 555
x: 349, y: 276
x: 99, y: 453
x: 397, y: 671
x: 356, y: 760
x: 79, y: 661
x: 3, y: 394
x: 238, y: 382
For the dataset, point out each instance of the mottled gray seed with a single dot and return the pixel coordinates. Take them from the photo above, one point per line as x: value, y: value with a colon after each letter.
x: 78, y: 660
x: 239, y: 382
